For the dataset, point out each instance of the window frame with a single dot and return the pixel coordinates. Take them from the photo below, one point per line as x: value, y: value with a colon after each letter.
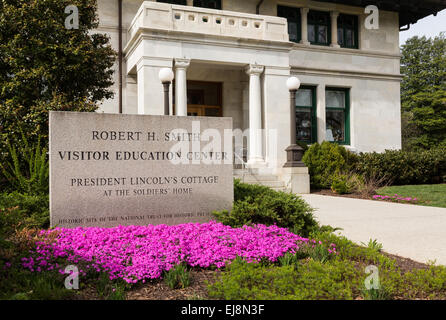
x: 311, y: 21
x: 345, y: 28
x: 220, y: 5
x: 297, y: 19
x: 176, y: 2
x: 313, y: 112
x: 346, y: 113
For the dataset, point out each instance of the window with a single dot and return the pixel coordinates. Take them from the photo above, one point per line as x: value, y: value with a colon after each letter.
x: 337, y: 115
x: 210, y: 4
x: 319, y: 30
x: 180, y: 2
x: 348, y: 31
x: 294, y: 23
x: 306, y: 115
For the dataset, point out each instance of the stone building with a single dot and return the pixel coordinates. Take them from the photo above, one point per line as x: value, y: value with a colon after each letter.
x: 232, y: 58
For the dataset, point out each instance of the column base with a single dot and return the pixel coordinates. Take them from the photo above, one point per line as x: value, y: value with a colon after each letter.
x: 335, y: 46
x: 305, y: 43
x: 256, y: 163
x: 297, y: 179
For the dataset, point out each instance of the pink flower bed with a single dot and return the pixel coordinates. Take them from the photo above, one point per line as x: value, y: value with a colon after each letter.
x: 138, y: 253
x: 396, y: 198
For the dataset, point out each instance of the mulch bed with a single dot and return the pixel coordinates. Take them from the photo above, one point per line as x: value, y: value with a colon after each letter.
x: 328, y: 192
x: 158, y: 290
x: 406, y: 264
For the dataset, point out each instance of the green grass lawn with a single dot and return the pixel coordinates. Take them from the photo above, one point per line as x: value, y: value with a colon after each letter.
x: 433, y: 195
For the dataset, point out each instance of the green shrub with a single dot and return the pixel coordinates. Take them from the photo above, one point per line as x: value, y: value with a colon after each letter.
x: 404, y: 168
x: 27, y: 170
x: 20, y: 284
x: 326, y: 161
x: 261, y: 205
x: 341, y: 185
x: 310, y: 280
x: 178, y: 277
x: 31, y: 211
x: 429, y: 281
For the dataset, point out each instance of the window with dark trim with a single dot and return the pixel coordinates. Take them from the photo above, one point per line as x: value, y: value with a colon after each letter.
x: 337, y: 116
x: 210, y: 4
x: 348, y: 31
x: 306, y: 125
x: 180, y: 2
x: 294, y: 23
x: 319, y: 28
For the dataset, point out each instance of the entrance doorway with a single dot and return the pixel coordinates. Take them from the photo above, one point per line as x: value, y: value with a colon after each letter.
x: 204, y: 99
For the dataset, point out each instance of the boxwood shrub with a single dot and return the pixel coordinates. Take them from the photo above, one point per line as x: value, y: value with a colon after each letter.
x: 325, y: 162
x: 254, y: 204
x: 405, y: 167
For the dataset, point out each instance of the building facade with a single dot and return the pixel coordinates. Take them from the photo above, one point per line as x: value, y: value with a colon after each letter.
x: 232, y: 58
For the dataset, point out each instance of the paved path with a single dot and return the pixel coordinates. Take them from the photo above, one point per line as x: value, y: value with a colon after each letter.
x: 410, y: 231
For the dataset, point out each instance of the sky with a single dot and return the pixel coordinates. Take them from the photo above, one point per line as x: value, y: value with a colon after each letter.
x: 430, y: 27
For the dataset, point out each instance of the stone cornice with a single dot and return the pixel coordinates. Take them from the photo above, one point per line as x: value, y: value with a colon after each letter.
x: 347, y: 73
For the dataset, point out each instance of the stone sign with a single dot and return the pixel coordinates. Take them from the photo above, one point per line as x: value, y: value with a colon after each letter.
x: 108, y: 169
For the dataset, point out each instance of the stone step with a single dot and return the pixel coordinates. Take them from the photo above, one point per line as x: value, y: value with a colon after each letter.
x: 260, y: 178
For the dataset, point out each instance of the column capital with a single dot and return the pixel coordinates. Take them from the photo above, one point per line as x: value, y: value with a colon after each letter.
x: 254, y: 69
x: 304, y: 11
x: 181, y: 63
x: 334, y: 14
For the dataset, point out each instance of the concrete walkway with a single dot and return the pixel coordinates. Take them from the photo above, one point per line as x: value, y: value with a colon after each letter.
x: 410, y: 231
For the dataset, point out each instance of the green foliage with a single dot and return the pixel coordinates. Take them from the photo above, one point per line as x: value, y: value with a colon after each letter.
x: 20, y: 284
x: 431, y: 281
x: 27, y: 170
x: 373, y: 245
x: 340, y: 185
x: 405, y: 167
x: 178, y: 277
x: 45, y: 66
x: 376, y: 294
x: 110, y: 290
x: 308, y: 281
x: 18, y: 211
x: 423, y: 92
x: 261, y: 205
x: 292, y: 259
x: 325, y: 162
x: 320, y: 253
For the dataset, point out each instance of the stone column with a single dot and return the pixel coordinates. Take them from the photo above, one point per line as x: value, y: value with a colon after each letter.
x: 181, y: 66
x: 150, y: 89
x: 320, y: 114
x: 304, y: 25
x: 255, y: 147
x: 334, y: 29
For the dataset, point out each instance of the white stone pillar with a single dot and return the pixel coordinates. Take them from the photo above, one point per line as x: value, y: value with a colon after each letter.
x: 149, y: 87
x: 255, y: 147
x: 304, y: 25
x: 181, y: 66
x: 334, y: 29
x: 321, y: 114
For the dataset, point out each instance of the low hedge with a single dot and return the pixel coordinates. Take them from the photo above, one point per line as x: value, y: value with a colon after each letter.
x: 404, y: 167
x: 328, y: 161
x: 254, y: 204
